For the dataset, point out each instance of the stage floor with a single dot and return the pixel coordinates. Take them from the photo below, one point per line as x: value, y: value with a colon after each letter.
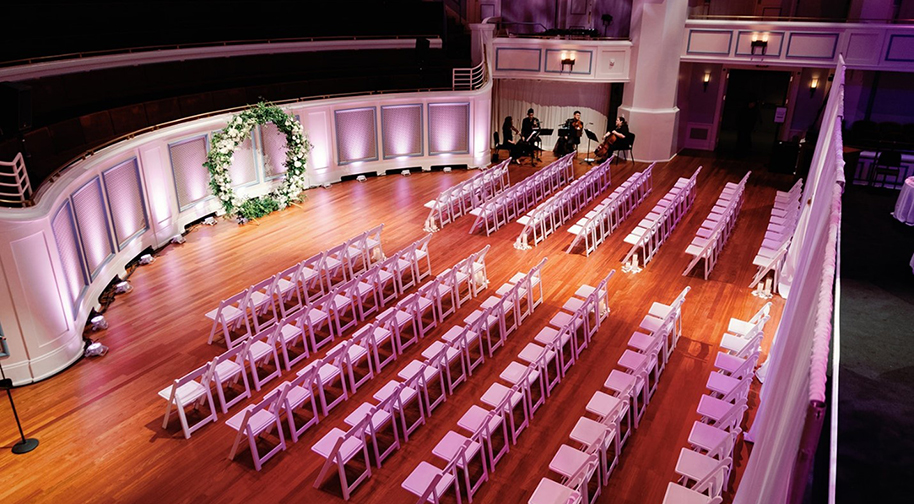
x: 100, y: 422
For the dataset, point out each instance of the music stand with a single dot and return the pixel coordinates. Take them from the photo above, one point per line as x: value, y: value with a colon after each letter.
x: 593, y: 137
x: 532, y: 140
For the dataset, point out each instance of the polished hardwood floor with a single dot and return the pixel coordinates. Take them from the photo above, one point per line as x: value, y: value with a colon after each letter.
x: 100, y: 422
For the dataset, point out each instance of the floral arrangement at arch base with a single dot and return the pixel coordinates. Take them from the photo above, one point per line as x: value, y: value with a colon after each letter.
x: 219, y: 159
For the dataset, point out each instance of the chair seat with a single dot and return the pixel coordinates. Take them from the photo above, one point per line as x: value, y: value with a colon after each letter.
x: 633, y: 361
x: 226, y: 369
x: 728, y: 363
x: 451, y: 353
x: 328, y: 372
x: 497, y: 392
x: 712, y: 407
x: 733, y: 343
x: 406, y: 395
x: 422, y: 476
x: 515, y: 370
x: 349, y: 448
x: 548, y: 334
x: 694, y: 465
x: 619, y: 382
x: 587, y: 431
x: 706, y: 437
x: 659, y: 310
x: 297, y: 396
x: 260, y: 349
x: 739, y: 327
x: 721, y: 383
x: 567, y: 461
x: 378, y: 419
x: 644, y: 343
x: 229, y: 313
x: 603, y: 405
x: 551, y: 492
x: 451, y: 443
x: 474, y: 417
x: 187, y: 393
x: 415, y: 367
x: 258, y: 422
x: 678, y: 494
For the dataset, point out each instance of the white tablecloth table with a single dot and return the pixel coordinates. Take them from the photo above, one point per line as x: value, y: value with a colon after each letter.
x: 904, y: 207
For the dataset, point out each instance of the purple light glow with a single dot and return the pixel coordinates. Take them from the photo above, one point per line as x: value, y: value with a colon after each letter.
x: 448, y: 128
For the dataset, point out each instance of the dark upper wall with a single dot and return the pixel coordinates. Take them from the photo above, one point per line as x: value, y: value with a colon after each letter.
x: 45, y: 27
x: 552, y: 14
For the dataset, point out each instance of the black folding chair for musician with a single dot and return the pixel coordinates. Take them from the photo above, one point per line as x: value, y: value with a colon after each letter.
x: 630, y: 138
x: 499, y: 146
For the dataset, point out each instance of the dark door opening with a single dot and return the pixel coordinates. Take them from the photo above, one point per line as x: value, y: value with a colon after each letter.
x: 747, y: 126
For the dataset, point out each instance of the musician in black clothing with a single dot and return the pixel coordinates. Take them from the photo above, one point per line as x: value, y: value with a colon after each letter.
x: 507, y: 131
x: 621, y: 133
x: 529, y: 124
x: 576, y: 125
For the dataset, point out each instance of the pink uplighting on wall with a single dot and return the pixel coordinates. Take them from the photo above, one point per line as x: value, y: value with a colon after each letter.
x: 191, y: 178
x: 68, y: 247
x: 122, y: 185
x: 401, y: 127
x: 448, y: 128
x: 356, y: 135
x: 92, y: 223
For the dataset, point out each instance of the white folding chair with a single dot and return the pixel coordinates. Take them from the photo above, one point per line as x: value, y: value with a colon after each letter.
x: 191, y: 389
x: 230, y: 316
x: 420, y: 253
x: 339, y: 447
x: 262, y: 303
x: 228, y: 368
x: 261, y: 350
x: 296, y: 394
x: 380, y: 416
x: 254, y: 421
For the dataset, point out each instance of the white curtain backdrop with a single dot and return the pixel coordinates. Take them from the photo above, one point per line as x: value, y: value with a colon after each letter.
x: 784, y: 396
x: 552, y: 103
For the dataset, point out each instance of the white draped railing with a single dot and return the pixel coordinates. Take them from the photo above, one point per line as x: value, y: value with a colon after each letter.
x: 791, y: 410
x: 14, y: 182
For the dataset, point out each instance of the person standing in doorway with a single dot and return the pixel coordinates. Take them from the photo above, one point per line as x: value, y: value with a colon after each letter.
x: 746, y: 120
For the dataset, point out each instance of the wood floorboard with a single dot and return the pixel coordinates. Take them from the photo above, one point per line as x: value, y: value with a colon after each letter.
x: 99, y: 422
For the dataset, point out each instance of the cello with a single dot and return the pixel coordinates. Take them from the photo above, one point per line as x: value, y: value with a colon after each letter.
x: 602, y: 150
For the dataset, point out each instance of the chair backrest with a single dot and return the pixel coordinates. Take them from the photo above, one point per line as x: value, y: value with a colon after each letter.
x: 422, y: 243
x: 497, y: 139
x: 713, y: 482
x: 337, y: 356
x: 732, y: 418
x: 580, y: 478
x: 305, y: 378
x: 204, y: 373
x: 764, y: 311
x: 631, y: 141
x: 238, y: 352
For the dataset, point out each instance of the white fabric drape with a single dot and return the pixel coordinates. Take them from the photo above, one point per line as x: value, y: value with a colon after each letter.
x: 553, y: 103
x: 784, y: 396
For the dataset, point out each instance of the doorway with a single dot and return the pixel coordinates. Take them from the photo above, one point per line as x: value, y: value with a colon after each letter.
x: 747, y: 125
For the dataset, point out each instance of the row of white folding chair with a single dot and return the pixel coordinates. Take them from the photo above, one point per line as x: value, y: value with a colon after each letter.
x: 295, y: 332
x: 294, y: 286
x: 455, y: 201
x: 715, y: 230
x: 594, y: 436
x: 600, y: 222
x: 705, y: 467
x: 654, y: 229
x: 785, y: 214
x: 522, y: 196
x: 437, y: 365
x: 559, y: 209
x: 455, y: 346
x: 480, y: 424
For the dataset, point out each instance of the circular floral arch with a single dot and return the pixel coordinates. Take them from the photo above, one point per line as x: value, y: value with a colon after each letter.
x: 219, y: 159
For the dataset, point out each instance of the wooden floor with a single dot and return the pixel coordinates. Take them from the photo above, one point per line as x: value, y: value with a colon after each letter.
x: 100, y: 422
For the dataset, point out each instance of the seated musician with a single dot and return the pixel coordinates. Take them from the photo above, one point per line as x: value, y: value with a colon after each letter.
x: 530, y: 124
x: 576, y: 125
x: 617, y: 139
x: 621, y: 134
x: 507, y: 131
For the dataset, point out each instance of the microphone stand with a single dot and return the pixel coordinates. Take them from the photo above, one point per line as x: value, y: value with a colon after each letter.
x: 25, y: 445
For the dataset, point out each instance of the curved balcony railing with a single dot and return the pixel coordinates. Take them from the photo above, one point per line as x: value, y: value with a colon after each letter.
x: 798, y: 19
x: 471, y: 79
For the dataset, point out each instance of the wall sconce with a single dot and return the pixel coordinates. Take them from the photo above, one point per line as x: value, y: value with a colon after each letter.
x: 568, y: 60
x: 706, y: 80
x: 760, y: 41
x: 813, y: 85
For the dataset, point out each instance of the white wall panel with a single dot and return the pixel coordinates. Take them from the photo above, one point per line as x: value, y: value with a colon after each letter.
x: 191, y: 178
x: 448, y: 128
x: 125, y: 200
x: 92, y: 224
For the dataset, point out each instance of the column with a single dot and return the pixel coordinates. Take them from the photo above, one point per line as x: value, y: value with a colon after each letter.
x: 649, y: 100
